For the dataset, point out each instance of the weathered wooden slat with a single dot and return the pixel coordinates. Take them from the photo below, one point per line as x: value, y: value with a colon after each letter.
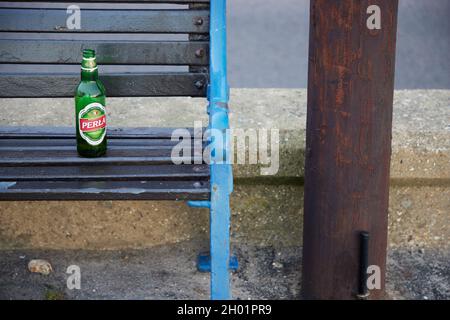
x: 163, y: 151
x: 108, y: 52
x: 117, y: 85
x: 35, y: 146
x: 75, y: 160
x: 41, y: 132
x: 23, y: 144
x: 42, y: 158
x: 105, y: 172
x: 99, y: 190
x: 115, y: 149
x: 16, y: 148
x: 105, y: 21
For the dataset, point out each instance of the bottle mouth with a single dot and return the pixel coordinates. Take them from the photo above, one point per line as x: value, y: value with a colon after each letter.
x: 88, y: 53
x: 89, y: 63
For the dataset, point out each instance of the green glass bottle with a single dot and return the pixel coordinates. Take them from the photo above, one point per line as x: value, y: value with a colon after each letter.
x: 90, y: 109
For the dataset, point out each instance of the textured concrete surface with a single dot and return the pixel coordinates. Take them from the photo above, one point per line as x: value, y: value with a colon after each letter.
x: 266, y: 210
x: 168, y: 272
x: 263, y: 215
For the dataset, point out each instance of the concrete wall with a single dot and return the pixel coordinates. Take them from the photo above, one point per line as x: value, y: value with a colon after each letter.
x: 267, y: 210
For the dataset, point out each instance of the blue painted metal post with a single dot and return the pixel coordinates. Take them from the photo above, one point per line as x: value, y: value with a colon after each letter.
x: 221, y: 173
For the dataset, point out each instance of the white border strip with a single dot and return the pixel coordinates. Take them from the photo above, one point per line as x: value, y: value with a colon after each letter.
x: 89, y: 69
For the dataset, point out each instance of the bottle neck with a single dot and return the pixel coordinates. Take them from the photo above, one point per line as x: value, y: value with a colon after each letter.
x: 89, y: 75
x: 89, y: 70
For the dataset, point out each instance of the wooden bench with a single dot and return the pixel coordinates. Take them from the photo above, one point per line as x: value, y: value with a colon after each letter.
x: 38, y: 163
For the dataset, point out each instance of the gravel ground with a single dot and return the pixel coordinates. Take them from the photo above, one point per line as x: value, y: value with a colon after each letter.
x: 168, y: 272
x: 419, y: 274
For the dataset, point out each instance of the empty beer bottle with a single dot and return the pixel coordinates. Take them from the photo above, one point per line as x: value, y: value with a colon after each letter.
x: 90, y: 109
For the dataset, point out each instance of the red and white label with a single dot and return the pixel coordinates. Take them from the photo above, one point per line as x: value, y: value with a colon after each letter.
x: 87, y: 125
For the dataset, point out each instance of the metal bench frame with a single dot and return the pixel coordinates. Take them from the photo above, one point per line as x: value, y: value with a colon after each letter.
x: 218, y: 263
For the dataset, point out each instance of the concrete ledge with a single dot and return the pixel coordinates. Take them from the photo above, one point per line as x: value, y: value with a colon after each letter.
x: 262, y: 215
x: 267, y: 211
x: 420, y: 139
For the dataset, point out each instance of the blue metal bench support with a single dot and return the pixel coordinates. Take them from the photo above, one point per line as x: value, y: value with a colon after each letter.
x: 199, y: 204
x: 218, y: 262
x: 221, y: 173
x: 204, y: 263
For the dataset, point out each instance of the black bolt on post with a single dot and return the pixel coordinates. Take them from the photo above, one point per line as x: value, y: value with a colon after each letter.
x: 348, y: 144
x: 363, y: 292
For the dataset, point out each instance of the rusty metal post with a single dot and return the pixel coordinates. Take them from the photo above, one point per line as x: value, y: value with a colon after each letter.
x: 348, y: 143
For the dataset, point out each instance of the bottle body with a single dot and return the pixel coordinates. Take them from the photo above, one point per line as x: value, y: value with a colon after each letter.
x: 90, y: 110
